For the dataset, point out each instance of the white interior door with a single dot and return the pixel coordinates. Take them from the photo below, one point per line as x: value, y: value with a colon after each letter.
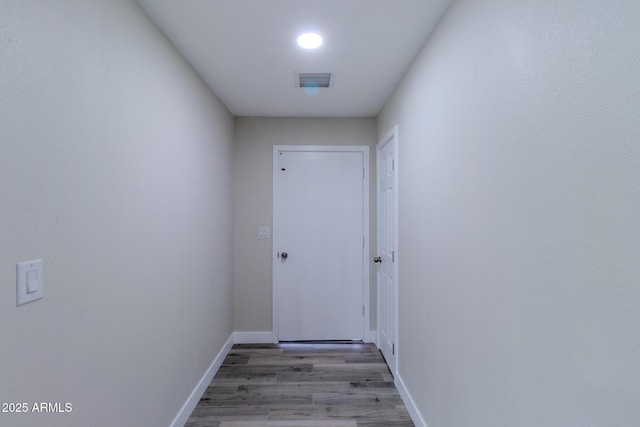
x: 319, y: 236
x: 387, y: 242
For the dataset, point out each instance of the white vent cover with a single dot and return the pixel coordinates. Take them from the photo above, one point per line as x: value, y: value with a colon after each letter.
x: 314, y: 80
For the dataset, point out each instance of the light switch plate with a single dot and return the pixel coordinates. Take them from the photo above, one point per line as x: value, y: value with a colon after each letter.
x: 29, y: 281
x: 263, y: 232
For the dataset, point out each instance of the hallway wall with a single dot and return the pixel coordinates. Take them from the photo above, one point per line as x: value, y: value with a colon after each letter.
x: 519, y: 213
x: 253, y: 207
x: 115, y: 168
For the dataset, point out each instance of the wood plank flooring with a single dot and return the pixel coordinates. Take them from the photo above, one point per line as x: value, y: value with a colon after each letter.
x: 317, y: 384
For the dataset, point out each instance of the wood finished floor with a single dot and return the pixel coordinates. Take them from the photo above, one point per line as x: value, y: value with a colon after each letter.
x: 302, y: 385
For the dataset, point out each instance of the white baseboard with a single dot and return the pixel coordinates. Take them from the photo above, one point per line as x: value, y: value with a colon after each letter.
x: 196, y: 394
x: 373, y: 337
x: 258, y: 337
x: 416, y: 416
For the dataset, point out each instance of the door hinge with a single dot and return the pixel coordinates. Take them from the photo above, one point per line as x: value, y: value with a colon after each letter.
x: 393, y: 256
x: 362, y: 173
x: 362, y: 310
x: 393, y: 164
x: 363, y: 241
x: 393, y: 348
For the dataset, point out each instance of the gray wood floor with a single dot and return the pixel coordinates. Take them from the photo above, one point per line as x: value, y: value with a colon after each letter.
x: 301, y: 385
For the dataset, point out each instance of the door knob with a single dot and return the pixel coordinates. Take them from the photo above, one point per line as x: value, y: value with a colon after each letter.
x: 377, y: 259
x: 284, y: 256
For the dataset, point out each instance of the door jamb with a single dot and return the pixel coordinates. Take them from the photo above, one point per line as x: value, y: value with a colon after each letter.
x: 364, y: 149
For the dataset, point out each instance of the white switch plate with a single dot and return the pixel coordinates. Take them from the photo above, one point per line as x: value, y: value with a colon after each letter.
x: 29, y: 281
x: 263, y: 232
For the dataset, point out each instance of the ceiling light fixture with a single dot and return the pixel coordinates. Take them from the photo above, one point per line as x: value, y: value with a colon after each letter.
x: 310, y: 40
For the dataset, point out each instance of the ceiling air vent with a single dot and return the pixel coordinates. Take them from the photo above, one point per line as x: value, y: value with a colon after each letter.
x: 314, y: 79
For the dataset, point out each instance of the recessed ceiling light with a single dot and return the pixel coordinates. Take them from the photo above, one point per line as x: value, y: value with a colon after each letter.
x: 310, y: 41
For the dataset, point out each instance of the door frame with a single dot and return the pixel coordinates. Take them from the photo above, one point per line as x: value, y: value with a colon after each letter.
x: 364, y: 149
x: 392, y: 135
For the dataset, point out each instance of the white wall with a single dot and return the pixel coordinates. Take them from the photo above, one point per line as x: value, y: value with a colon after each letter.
x: 115, y: 168
x: 253, y: 196
x: 519, y: 238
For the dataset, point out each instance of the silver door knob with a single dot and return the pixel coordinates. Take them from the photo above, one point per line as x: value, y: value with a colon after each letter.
x: 284, y: 256
x: 377, y: 259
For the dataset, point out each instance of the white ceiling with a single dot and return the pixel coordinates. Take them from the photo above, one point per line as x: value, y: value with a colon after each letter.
x: 246, y: 50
